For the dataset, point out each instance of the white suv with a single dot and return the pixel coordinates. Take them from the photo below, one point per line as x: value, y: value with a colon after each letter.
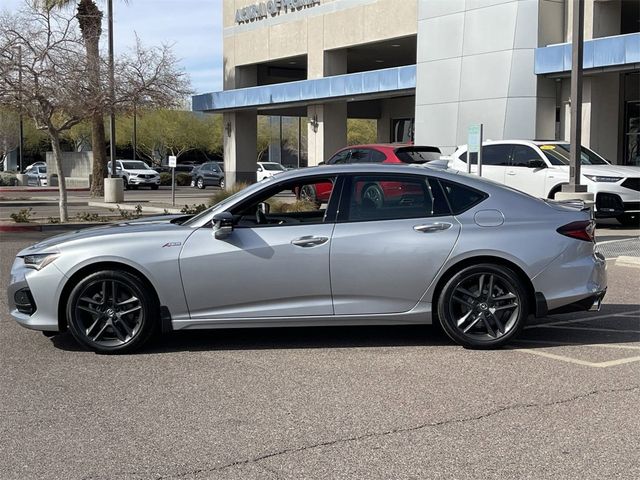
x: 540, y: 169
x: 136, y: 173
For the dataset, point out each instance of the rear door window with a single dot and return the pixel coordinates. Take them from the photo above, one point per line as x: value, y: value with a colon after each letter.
x: 460, y: 197
x: 340, y: 158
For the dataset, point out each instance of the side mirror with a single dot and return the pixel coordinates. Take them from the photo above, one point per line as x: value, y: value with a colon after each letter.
x: 536, y: 163
x: 259, y: 169
x: 222, y: 225
x: 321, y: 163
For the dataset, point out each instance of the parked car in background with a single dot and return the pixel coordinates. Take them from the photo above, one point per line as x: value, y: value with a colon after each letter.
x: 268, y: 169
x: 37, y: 176
x: 180, y: 168
x: 475, y: 256
x: 35, y: 164
x: 385, y: 153
x: 393, y: 153
x: 540, y: 168
x: 208, y: 174
x: 136, y: 173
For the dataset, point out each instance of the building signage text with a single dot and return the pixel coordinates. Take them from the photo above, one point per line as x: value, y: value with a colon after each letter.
x: 262, y: 10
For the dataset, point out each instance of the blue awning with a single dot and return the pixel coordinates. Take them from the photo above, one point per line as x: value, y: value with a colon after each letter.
x: 373, y: 82
x: 616, y: 51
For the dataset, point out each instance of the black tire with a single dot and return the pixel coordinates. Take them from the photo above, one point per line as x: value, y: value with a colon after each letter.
x: 108, y: 323
x: 473, y: 312
x: 308, y: 193
x: 374, y: 193
x: 125, y: 183
x: 200, y: 183
x: 629, y: 219
x: 221, y: 183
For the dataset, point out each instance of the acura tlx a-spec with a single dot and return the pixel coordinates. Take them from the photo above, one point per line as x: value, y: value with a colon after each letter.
x: 432, y: 245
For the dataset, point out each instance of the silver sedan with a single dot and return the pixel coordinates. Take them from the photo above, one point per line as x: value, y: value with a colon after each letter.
x: 332, y: 245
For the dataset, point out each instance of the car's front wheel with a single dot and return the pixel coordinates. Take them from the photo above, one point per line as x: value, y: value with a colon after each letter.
x: 111, y: 312
x: 483, y: 306
x: 200, y: 183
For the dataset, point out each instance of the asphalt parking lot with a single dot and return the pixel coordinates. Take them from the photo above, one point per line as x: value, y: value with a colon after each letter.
x: 379, y: 402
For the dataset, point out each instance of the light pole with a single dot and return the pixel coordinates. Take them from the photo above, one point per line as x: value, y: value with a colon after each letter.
x: 20, y: 127
x: 112, y: 95
x: 576, y: 94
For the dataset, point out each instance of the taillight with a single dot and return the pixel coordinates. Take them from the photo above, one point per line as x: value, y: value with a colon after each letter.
x: 583, y: 230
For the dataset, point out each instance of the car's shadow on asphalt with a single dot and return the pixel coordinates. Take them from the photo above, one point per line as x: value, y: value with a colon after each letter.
x: 613, y: 324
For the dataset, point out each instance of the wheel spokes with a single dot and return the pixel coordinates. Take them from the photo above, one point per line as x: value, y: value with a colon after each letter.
x: 477, y: 312
x: 110, y: 313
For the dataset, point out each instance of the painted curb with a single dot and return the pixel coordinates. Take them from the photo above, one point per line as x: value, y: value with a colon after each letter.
x: 46, y: 227
x: 38, y: 189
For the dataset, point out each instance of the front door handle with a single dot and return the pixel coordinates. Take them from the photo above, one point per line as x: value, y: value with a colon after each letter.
x: 432, y: 227
x: 511, y: 172
x: 309, y: 241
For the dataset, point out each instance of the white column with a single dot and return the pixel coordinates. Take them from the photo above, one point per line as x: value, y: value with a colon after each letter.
x: 240, y: 130
x: 327, y: 130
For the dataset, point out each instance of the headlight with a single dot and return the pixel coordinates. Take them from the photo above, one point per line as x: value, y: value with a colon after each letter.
x: 39, y: 260
x: 599, y: 178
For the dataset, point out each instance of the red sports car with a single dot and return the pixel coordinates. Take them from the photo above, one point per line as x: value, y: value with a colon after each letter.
x: 376, y: 153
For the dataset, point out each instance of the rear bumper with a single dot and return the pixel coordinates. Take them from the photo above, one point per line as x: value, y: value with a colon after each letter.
x: 591, y: 303
x: 570, y: 281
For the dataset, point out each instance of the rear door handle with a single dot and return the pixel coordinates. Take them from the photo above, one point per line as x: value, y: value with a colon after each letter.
x: 309, y: 241
x: 510, y: 172
x: 432, y: 227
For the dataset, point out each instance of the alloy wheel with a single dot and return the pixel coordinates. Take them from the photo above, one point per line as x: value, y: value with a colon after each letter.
x: 108, y: 313
x: 485, y: 306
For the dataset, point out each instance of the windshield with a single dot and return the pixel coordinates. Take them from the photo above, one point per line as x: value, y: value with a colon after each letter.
x: 272, y: 166
x: 248, y: 190
x: 558, y: 154
x: 135, y: 166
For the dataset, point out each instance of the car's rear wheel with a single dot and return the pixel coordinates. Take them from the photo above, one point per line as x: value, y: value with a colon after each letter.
x: 200, y: 183
x: 221, y: 183
x: 483, y: 306
x: 125, y: 183
x: 111, y: 312
x: 373, y: 193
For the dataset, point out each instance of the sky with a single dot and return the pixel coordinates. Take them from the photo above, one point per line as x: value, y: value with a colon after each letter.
x: 193, y: 27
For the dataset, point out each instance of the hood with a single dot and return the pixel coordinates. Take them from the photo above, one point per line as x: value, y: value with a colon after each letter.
x: 141, y: 171
x: 624, y: 171
x: 153, y: 224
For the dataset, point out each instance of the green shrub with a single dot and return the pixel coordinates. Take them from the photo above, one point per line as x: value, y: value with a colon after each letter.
x: 189, y: 210
x: 8, y: 179
x: 182, y: 179
x: 221, y: 195
x: 22, y: 216
x: 165, y: 178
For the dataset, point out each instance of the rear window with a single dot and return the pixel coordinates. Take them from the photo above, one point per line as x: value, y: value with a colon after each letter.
x: 460, y: 197
x: 418, y: 154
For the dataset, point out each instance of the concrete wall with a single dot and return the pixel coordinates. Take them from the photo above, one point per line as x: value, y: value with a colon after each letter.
x: 332, y: 24
x: 404, y: 107
x: 475, y: 65
x: 76, y: 167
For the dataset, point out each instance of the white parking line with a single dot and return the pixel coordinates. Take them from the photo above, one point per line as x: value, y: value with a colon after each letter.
x: 562, y: 358
x: 567, y: 344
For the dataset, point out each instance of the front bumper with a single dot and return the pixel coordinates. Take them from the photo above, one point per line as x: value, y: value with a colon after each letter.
x: 144, y: 181
x: 44, y: 286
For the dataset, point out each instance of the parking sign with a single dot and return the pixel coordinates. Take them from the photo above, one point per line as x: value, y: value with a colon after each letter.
x: 173, y: 161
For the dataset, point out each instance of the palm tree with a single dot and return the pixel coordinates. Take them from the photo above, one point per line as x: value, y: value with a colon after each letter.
x: 90, y: 20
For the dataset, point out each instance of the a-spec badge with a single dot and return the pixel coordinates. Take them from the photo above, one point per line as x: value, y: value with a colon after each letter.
x: 172, y: 244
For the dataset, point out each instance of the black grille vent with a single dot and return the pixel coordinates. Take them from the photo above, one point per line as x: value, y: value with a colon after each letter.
x: 632, y: 183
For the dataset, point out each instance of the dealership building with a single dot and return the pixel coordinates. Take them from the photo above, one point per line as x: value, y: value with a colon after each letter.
x: 425, y: 70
